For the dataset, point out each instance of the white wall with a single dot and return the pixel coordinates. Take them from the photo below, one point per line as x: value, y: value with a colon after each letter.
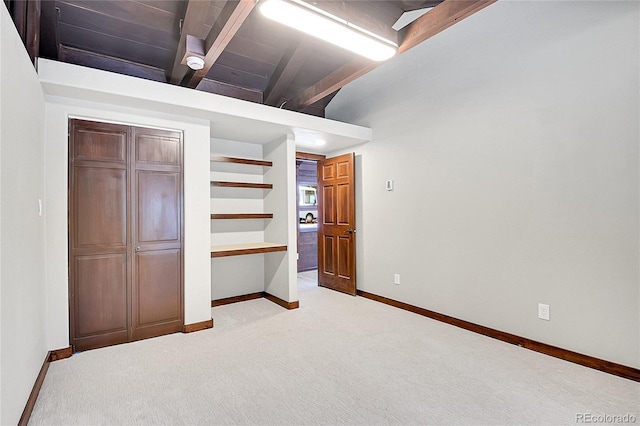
x: 513, y: 141
x: 281, y: 267
x: 22, y: 278
x: 197, y: 291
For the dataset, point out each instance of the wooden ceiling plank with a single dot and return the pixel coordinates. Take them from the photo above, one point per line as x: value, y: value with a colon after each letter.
x: 230, y: 90
x: 431, y: 23
x: 289, y: 66
x: 233, y: 15
x: 194, y: 20
x: 108, y: 63
x: 128, y: 11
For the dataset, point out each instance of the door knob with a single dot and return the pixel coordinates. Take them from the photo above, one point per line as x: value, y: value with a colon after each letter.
x: 137, y: 248
x: 350, y: 231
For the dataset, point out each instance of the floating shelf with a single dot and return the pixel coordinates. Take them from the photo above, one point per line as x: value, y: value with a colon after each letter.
x: 238, y: 160
x: 241, y: 184
x: 242, y: 249
x: 241, y: 215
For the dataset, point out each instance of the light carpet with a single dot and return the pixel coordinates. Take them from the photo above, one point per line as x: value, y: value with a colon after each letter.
x: 336, y: 360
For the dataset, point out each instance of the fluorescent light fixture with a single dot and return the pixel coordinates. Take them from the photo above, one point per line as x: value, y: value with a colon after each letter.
x: 325, y: 26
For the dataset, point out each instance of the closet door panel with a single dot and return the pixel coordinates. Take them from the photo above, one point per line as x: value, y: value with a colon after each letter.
x: 157, y: 297
x: 100, y: 208
x: 158, y: 207
x: 101, y: 294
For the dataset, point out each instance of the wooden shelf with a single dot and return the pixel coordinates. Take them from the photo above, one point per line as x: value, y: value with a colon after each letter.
x: 238, y: 160
x: 241, y: 184
x: 242, y: 249
x: 241, y: 215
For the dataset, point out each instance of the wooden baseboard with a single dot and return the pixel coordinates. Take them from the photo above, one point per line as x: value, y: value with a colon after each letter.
x: 53, y: 355
x: 197, y: 326
x: 58, y: 354
x: 258, y: 295
x: 554, y: 351
x: 236, y: 299
x: 283, y: 303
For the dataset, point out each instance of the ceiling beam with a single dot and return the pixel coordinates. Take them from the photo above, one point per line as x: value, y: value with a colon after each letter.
x: 194, y: 20
x: 431, y: 23
x: 438, y: 19
x: 287, y: 69
x: 49, y: 46
x: 224, y: 29
x: 26, y: 18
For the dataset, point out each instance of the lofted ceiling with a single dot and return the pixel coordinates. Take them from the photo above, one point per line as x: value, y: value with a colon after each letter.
x: 246, y: 55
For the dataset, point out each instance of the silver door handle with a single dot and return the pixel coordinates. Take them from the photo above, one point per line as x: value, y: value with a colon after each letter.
x: 350, y: 231
x: 137, y: 248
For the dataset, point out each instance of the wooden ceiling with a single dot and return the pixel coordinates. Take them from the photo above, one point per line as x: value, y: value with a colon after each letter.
x: 246, y: 55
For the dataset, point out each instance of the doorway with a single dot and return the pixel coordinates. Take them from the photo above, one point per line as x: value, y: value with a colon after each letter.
x: 327, y: 219
x: 307, y: 211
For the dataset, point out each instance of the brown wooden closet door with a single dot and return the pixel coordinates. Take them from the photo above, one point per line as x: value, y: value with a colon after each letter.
x: 125, y: 233
x: 157, y: 233
x: 99, y: 282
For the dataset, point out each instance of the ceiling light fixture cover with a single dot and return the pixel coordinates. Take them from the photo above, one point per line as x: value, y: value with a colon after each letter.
x: 325, y: 26
x: 195, y: 63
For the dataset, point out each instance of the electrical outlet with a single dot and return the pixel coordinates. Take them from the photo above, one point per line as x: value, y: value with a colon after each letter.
x: 396, y: 279
x: 543, y: 311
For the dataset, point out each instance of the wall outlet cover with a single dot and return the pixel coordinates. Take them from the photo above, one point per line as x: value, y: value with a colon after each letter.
x: 543, y: 311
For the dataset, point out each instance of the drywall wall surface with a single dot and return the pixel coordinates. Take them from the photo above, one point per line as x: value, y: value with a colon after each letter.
x: 512, y: 139
x: 22, y: 277
x: 281, y: 267
x: 197, y: 292
x: 230, y: 118
x: 1, y: 25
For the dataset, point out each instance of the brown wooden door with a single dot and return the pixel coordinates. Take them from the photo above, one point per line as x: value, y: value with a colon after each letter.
x: 99, y: 281
x: 157, y: 230
x: 125, y: 233
x: 337, y: 224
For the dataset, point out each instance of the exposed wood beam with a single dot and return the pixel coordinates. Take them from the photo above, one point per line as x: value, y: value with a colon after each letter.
x: 334, y: 81
x: 431, y: 23
x: 194, y: 20
x: 224, y: 29
x: 26, y: 18
x: 49, y: 45
x: 32, y: 41
x: 287, y: 69
x: 438, y: 19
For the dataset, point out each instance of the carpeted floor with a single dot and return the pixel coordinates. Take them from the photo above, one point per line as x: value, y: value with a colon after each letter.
x: 336, y: 360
